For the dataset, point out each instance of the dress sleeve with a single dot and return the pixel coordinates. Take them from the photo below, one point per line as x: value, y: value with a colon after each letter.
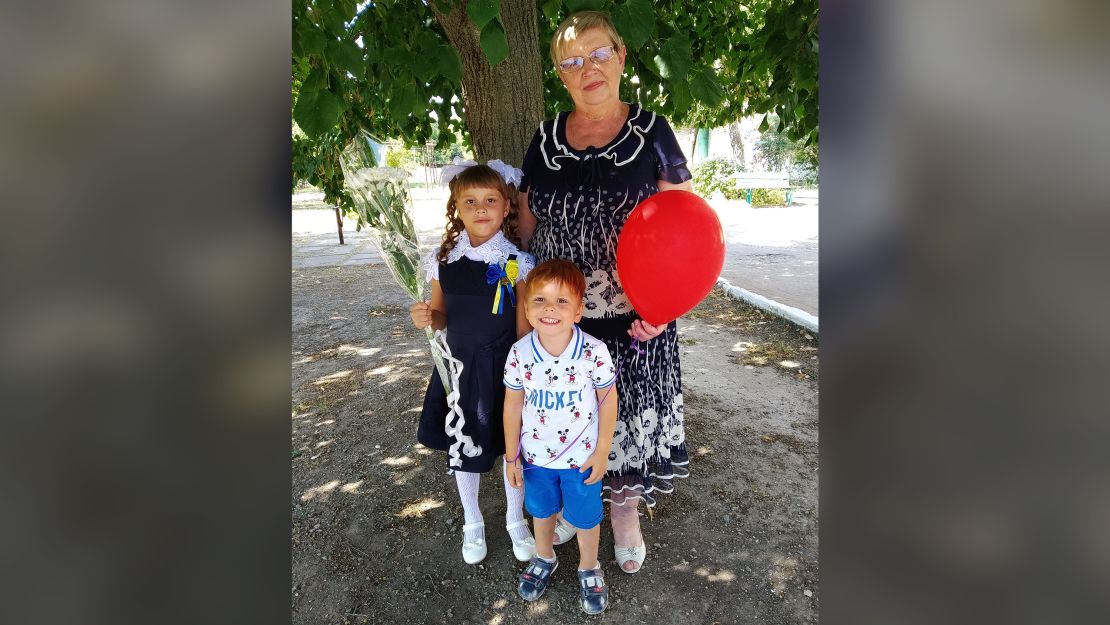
x: 525, y: 263
x: 431, y: 265
x: 512, y: 370
x: 672, y: 162
x: 531, y: 161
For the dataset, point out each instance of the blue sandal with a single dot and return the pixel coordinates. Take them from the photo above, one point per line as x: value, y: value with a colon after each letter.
x: 533, y: 581
x: 593, y: 594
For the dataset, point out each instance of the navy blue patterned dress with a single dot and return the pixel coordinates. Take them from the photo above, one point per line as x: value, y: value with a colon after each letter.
x: 581, y: 200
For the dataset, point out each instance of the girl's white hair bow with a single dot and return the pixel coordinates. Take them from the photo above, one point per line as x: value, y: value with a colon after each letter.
x: 511, y: 175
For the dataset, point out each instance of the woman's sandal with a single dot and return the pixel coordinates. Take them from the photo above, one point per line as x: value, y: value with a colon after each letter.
x: 631, y: 554
x: 473, y: 551
x: 524, y: 549
x: 563, y: 532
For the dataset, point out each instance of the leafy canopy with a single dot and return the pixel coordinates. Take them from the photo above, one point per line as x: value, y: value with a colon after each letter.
x: 390, y: 69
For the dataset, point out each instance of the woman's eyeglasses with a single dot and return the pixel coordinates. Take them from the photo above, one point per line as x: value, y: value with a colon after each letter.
x: 573, y: 64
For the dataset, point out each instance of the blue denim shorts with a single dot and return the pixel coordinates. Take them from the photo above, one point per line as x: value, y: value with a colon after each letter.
x: 546, y: 491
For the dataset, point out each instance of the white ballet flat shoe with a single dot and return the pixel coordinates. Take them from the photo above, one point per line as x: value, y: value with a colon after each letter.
x: 524, y: 549
x: 473, y: 551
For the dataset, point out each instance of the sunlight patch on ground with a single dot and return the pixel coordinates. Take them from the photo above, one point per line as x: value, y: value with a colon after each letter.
x: 789, y: 364
x: 333, y: 377
x: 723, y: 575
x: 325, y: 422
x: 351, y: 487
x: 384, y: 369
x: 324, y: 443
x: 305, y: 360
x: 358, y: 351
x: 496, y: 620
x: 405, y: 477
x: 420, y: 508
x: 319, y: 490
x: 741, y: 346
x: 398, y: 375
x: 398, y: 461
x: 785, y: 569
x: 703, y: 451
x: 537, y: 608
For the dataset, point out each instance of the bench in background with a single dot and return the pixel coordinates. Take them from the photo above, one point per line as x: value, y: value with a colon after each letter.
x: 764, y: 180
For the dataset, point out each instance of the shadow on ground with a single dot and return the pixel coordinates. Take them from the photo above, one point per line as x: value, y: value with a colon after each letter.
x: 376, y: 522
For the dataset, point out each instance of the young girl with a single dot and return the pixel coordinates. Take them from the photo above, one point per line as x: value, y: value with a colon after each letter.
x: 474, y: 276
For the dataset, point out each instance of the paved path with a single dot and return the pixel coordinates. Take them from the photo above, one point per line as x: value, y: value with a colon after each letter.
x: 770, y: 251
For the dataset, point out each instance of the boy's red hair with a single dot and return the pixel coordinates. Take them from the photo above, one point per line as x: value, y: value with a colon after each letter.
x: 561, y: 271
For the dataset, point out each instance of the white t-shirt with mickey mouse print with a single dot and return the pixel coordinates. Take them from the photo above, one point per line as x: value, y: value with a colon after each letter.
x: 560, y: 400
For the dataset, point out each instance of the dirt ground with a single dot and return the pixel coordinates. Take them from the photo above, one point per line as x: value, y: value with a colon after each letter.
x: 376, y: 523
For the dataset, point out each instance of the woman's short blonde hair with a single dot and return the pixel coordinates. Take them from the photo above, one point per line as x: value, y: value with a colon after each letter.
x: 578, y: 23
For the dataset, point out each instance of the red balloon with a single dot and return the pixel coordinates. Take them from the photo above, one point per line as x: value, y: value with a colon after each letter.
x: 669, y: 255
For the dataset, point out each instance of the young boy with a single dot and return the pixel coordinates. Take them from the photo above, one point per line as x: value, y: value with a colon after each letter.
x: 554, y: 390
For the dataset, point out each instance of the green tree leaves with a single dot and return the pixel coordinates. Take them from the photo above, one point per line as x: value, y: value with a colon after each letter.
x: 317, y: 108
x: 312, y: 40
x: 317, y: 111
x: 446, y: 62
x: 573, y: 6
x: 704, y: 86
x: 486, y: 15
x: 346, y: 55
x: 635, y: 21
x: 495, y: 45
x: 700, y: 64
x: 482, y: 11
x: 673, y: 60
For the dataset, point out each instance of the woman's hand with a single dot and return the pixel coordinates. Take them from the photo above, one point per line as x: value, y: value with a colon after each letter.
x: 421, y: 313
x: 643, y: 331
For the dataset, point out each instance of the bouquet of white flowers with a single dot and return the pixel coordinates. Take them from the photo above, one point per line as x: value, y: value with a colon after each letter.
x: 383, y: 204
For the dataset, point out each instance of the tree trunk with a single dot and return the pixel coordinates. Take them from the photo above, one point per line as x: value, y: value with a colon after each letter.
x: 503, y: 104
x: 737, y: 141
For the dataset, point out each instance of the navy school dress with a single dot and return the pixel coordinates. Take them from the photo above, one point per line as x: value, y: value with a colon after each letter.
x: 480, y: 339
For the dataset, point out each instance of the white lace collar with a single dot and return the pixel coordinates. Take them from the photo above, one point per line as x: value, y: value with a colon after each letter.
x: 495, y: 250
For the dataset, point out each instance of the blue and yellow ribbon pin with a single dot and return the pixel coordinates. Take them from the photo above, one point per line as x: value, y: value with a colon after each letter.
x: 504, y: 276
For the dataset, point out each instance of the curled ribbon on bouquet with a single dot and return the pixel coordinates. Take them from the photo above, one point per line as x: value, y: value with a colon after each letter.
x: 454, y: 412
x: 504, y: 276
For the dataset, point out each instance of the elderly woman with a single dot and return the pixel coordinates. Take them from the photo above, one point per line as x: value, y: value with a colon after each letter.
x: 584, y: 172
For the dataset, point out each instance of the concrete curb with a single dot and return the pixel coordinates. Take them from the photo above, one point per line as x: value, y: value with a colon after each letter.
x: 791, y: 314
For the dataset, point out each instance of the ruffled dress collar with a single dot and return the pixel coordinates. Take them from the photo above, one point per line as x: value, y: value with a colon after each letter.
x: 496, y: 250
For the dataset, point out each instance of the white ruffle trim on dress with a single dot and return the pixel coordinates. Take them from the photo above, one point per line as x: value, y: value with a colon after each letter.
x: 496, y: 250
